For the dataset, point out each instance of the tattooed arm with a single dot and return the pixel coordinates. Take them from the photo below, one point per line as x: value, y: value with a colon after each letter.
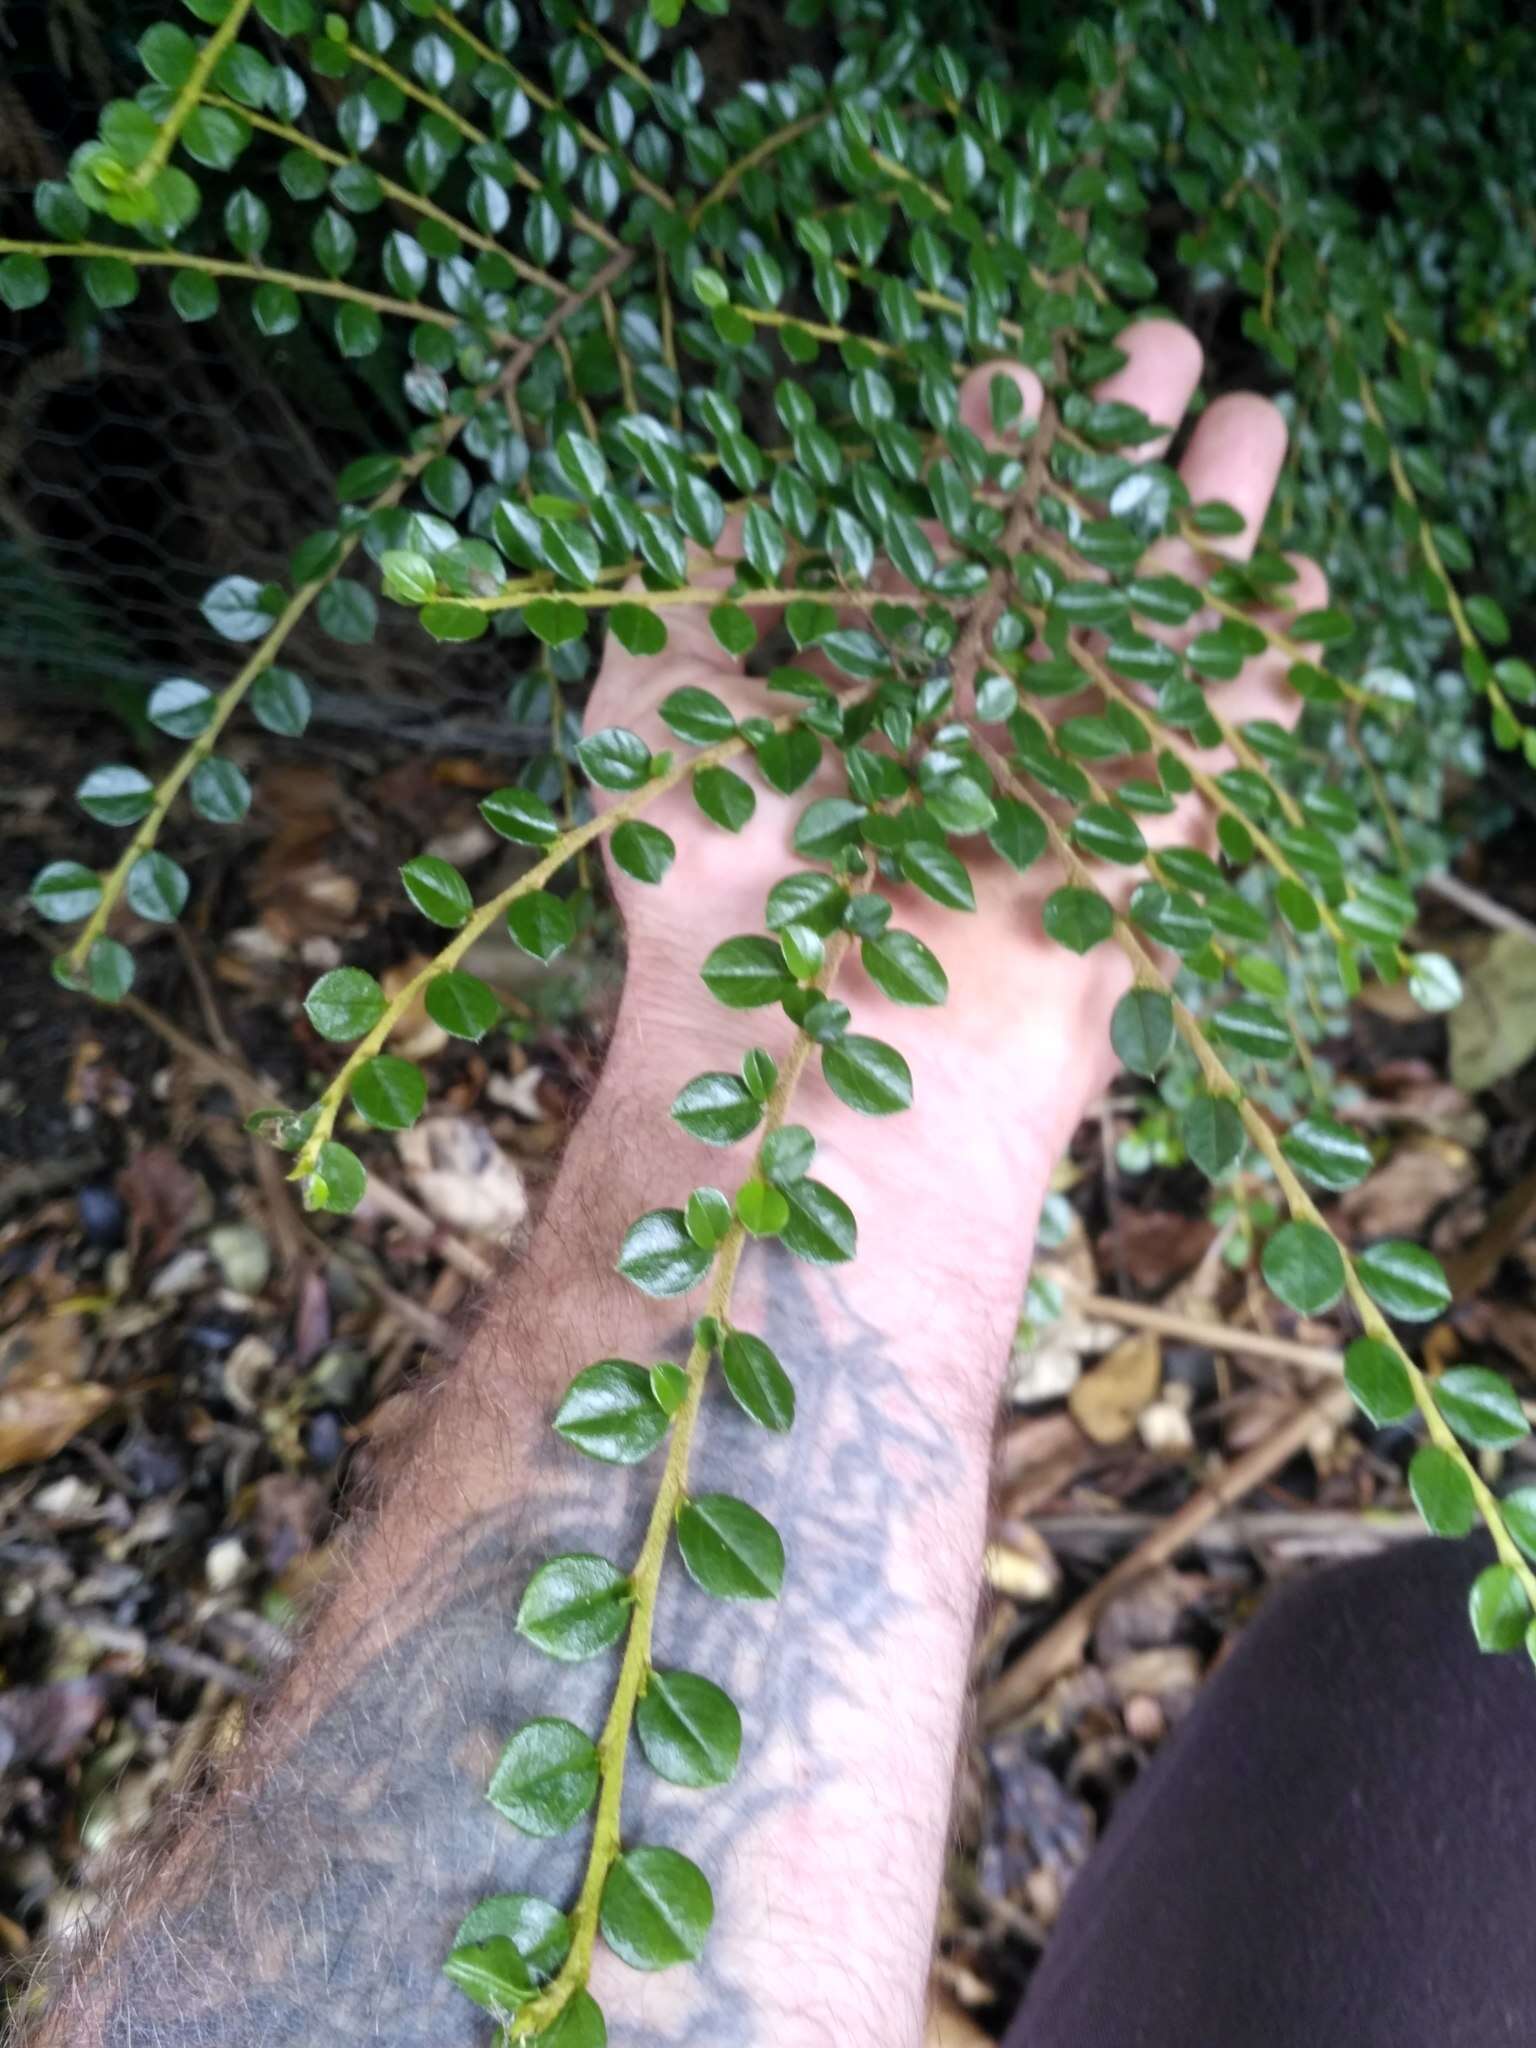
x: 313, y: 1896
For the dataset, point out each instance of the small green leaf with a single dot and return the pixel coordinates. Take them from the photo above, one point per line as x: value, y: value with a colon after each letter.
x: 1212, y: 1131
x: 235, y: 607
x: 697, y: 716
x: 902, y: 967
x: 344, y: 1004
x: 787, y: 1154
x: 939, y: 873
x: 730, y: 1549
x: 761, y: 1208
x: 1379, y: 1381
x: 718, y: 1108
x: 542, y: 924
x: 1329, y: 1153
x: 64, y: 892
x: 1141, y: 1030
x: 338, y: 1181
x: 1519, y: 1512
x: 747, y: 972
x: 574, y: 1607
x: 1441, y: 1491
x: 1017, y: 833
x: 868, y: 1075
x: 758, y: 1381
x: 615, y: 758
x: 1481, y: 1406
x: 641, y: 850
x: 109, y: 971
x: 219, y: 791
x: 669, y: 1385
x: 689, y: 1729
x: 180, y: 707
x: 116, y: 795
x: 659, y: 1257
x: 657, y: 1909
x: 519, y: 815
x: 1304, y: 1267
x: 492, y: 1973
x: 438, y: 890
x: 546, y: 1778
x: 461, y: 1005
x: 389, y: 1093
x: 281, y: 702
x: 1408, y: 1281
x: 539, y: 1932
x: 724, y: 797
x: 1078, y: 919
x: 821, y: 1227
x: 1499, y: 1608
x: 826, y: 827
x: 157, y: 888
x: 707, y: 1218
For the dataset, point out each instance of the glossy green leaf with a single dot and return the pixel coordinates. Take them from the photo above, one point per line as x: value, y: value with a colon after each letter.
x: 659, y: 1257
x: 1141, y: 1030
x: 1304, y: 1267
x: 1327, y: 1152
x: 730, y: 1549
x: 758, y: 1381
x: 689, y: 1730
x: 541, y: 923
x: 610, y: 1412
x: 1441, y: 1491
x: 1379, y: 1381
x: 1499, y: 1608
x: 642, y: 850
x: 821, y: 1227
x: 747, y: 972
x: 438, y: 890
x: 344, y: 1004
x: 461, y: 1005
x: 868, y: 1075
x: 546, y: 1778
x: 657, y: 1909
x: 1481, y: 1406
x: 574, y: 1607
x: 1408, y: 1281
x: 389, y: 1093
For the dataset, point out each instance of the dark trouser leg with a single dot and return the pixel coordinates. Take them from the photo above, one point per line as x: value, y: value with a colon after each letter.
x: 1338, y: 1849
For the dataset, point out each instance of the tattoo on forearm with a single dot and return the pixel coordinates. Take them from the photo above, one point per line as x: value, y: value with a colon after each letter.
x: 313, y: 1898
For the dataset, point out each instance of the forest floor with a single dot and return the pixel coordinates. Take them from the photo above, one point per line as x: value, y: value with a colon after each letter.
x: 191, y: 1371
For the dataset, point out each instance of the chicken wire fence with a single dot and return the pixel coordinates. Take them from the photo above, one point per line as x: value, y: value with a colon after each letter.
x: 141, y: 457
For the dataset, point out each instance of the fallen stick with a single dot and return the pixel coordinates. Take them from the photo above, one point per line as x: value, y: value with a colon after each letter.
x: 1061, y: 1648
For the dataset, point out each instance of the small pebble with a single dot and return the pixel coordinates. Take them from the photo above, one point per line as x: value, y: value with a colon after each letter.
x: 244, y: 1256
x: 323, y: 1439
x: 101, y: 1216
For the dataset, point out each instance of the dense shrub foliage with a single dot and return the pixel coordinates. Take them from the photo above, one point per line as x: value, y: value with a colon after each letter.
x: 638, y: 317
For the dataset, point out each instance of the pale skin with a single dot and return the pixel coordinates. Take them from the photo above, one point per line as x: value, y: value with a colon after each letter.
x: 312, y: 1895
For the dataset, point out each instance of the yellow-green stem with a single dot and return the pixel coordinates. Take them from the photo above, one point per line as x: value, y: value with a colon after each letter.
x: 225, y: 704
x: 254, y: 273
x: 645, y: 1577
x: 480, y: 921
x: 159, y: 152
x: 471, y: 133
x: 550, y: 105
x: 398, y: 195
x: 1300, y: 1204
x: 516, y: 597
x: 770, y: 145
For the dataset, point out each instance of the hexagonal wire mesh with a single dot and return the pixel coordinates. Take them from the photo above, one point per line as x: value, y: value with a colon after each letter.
x: 141, y: 458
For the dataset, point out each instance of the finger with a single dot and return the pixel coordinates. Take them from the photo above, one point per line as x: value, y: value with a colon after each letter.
x: 1159, y: 377
x: 1236, y: 454
x: 976, y: 399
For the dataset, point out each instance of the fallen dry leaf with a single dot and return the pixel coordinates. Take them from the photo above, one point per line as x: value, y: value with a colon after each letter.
x: 948, y: 2027
x: 37, y: 1421
x: 1493, y: 1028
x: 462, y: 1176
x: 1154, y: 1246
x: 1106, y: 1401
x: 1397, y: 1200
x: 164, y: 1200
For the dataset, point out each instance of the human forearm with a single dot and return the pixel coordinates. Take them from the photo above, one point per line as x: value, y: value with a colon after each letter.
x: 315, y: 1898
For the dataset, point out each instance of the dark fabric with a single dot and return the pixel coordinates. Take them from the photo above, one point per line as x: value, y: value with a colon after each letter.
x: 1337, y: 1849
